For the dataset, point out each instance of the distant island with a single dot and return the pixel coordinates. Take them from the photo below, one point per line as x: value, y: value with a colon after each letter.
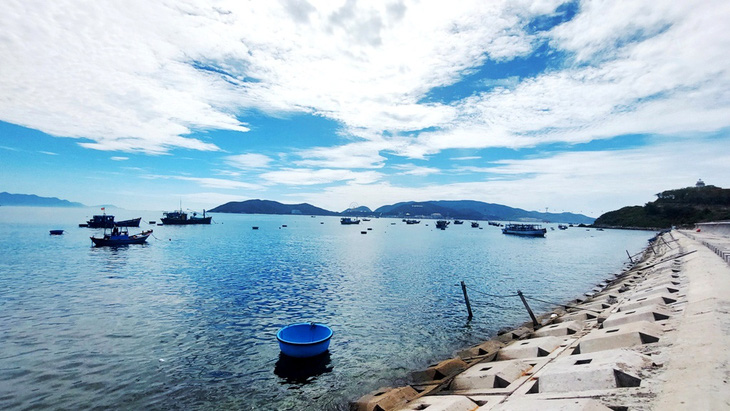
x: 32, y: 200
x: 463, y: 209
x: 682, y: 207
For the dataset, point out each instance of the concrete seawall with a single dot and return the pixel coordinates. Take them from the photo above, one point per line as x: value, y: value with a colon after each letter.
x: 655, y: 338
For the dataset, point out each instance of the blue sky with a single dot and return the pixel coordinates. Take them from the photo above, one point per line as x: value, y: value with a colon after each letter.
x: 571, y: 106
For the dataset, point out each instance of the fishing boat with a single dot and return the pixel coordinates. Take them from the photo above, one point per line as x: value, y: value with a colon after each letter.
x: 56, y: 232
x: 101, y: 221
x: 442, y: 224
x: 107, y: 221
x: 562, y: 226
x: 409, y: 222
x: 458, y: 222
x: 134, y: 222
x: 528, y: 230
x: 348, y: 221
x: 474, y: 224
x: 180, y: 217
x: 120, y: 237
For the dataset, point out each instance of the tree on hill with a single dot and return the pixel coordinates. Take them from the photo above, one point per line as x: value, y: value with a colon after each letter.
x: 681, y: 207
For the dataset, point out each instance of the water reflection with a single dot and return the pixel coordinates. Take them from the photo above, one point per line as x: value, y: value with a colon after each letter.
x: 302, y: 371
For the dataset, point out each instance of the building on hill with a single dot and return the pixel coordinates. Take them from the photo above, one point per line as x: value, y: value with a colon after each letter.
x: 700, y: 183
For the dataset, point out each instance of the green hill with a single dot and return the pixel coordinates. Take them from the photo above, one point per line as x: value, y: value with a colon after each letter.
x: 269, y: 207
x: 682, y: 207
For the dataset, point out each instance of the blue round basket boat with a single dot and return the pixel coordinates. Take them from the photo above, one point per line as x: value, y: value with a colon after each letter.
x: 304, y: 340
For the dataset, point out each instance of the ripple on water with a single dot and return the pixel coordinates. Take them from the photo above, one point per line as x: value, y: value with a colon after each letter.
x: 191, y: 322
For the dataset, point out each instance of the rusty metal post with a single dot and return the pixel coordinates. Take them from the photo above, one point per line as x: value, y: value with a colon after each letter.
x: 534, y: 320
x: 466, y: 298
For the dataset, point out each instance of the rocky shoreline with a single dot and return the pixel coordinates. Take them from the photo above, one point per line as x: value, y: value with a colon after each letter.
x: 654, y: 337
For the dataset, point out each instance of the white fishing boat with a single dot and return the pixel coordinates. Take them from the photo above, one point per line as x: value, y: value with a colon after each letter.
x: 528, y: 230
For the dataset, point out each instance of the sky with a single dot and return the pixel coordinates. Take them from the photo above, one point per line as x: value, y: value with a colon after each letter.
x: 581, y: 107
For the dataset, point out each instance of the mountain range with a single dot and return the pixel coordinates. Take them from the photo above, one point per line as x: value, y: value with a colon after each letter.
x: 464, y: 209
x: 32, y: 200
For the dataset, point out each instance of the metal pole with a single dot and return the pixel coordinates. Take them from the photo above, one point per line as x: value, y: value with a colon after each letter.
x: 665, y: 243
x: 466, y: 298
x: 534, y: 320
x: 630, y: 259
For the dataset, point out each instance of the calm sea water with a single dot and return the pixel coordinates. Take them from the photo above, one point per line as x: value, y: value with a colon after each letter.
x: 188, y: 321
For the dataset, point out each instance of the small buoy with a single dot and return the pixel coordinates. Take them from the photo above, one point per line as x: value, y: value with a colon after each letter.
x: 255, y: 228
x: 283, y: 225
x: 370, y: 229
x: 363, y: 232
x: 162, y: 360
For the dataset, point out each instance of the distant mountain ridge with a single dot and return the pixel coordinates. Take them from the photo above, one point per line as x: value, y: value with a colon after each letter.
x: 269, y: 207
x: 476, y: 210
x: 32, y: 200
x: 464, y: 209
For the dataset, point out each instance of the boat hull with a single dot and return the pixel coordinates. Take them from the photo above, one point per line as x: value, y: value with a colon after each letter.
x: 189, y: 221
x: 526, y: 233
x: 120, y: 240
x: 129, y: 223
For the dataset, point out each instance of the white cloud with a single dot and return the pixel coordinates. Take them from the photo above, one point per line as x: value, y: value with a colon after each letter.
x: 354, y: 155
x: 248, y: 161
x: 48, y: 153
x: 585, y: 182
x: 414, y: 170
x: 140, y: 76
x: 465, y: 158
x: 210, y: 182
x: 119, y: 158
x: 297, y: 177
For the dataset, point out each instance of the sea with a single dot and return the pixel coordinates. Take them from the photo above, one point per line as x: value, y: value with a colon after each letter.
x: 189, y: 320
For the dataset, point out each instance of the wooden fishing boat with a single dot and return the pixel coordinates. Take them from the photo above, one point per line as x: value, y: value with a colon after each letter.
x: 120, y: 237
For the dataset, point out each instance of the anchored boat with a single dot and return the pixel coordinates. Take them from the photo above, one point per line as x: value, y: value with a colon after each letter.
x: 120, y: 237
x: 107, y: 221
x: 348, y: 220
x: 181, y: 218
x: 528, y: 230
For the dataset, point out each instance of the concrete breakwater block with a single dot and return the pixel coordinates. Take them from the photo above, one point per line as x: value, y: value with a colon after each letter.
x: 650, y: 313
x: 559, y: 329
x: 627, y: 335
x: 440, y: 371
x: 506, y: 335
x: 659, y: 283
x: 646, y: 301
x: 441, y: 403
x: 386, y: 398
x: 594, y: 371
x: 485, y: 349
x: 579, y: 316
x: 596, y: 307
x: 667, y: 296
x: 536, y: 347
x: 573, y: 404
x: 486, y: 376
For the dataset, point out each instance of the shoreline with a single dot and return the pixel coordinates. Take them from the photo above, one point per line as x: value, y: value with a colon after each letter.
x: 623, y: 347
